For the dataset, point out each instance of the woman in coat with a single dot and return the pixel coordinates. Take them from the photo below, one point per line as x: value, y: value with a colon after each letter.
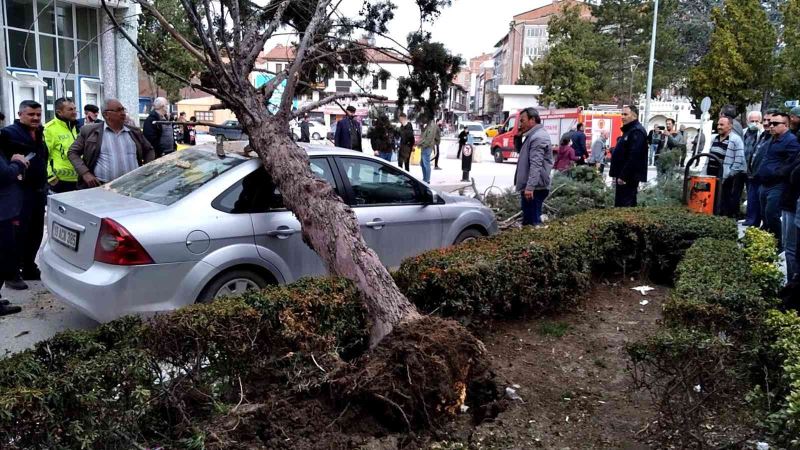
x: 565, y: 157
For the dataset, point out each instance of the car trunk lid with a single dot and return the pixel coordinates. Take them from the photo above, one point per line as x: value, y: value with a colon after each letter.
x: 74, y: 218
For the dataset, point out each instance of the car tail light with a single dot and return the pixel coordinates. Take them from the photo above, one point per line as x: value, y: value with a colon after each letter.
x: 116, y: 245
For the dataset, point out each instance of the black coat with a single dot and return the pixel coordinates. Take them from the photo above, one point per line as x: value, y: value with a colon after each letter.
x: 16, y: 138
x: 305, y: 131
x: 629, y: 158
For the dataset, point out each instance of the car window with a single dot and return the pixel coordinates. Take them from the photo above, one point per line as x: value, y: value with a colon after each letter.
x: 173, y: 177
x: 474, y: 128
x: 375, y: 183
x: 256, y: 193
x: 511, y: 122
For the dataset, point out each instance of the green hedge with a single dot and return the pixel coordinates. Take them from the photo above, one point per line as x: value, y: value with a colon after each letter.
x: 785, y: 327
x: 159, y: 382
x: 535, y: 269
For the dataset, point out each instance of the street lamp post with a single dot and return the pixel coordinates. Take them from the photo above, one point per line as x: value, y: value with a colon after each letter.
x: 650, y: 69
x: 634, y: 65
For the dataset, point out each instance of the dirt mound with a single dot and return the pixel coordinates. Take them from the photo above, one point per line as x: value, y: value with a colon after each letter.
x: 424, y: 371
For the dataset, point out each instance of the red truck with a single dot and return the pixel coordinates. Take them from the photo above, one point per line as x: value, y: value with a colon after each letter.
x: 557, y: 122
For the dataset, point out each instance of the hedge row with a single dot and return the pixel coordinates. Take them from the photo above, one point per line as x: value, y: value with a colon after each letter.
x: 722, y: 340
x: 132, y: 383
x: 534, y: 269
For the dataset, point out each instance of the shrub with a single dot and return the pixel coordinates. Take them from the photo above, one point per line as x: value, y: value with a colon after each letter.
x: 761, y: 250
x: 785, y: 422
x: 535, y: 269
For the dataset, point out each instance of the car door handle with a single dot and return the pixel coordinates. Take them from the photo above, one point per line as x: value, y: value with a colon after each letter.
x: 376, y: 224
x: 282, y: 232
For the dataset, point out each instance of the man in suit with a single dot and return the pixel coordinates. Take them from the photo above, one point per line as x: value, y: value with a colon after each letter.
x: 348, y: 131
x: 26, y: 137
x: 106, y: 151
x: 629, y: 159
x: 532, y: 177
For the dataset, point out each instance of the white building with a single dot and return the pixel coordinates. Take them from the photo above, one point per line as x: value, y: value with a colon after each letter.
x: 59, y: 49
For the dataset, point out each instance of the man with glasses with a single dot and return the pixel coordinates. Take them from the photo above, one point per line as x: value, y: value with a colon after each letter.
x: 773, y: 174
x: 753, y: 160
x: 106, y: 151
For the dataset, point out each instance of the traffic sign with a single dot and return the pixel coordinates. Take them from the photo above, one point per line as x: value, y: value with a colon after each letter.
x: 705, y: 105
x: 791, y: 103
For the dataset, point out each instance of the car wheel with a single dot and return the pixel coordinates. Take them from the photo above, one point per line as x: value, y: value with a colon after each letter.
x: 498, y: 156
x: 235, y: 282
x: 316, y: 136
x: 470, y: 234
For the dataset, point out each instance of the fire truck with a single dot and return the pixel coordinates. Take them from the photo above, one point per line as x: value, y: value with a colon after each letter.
x: 557, y: 122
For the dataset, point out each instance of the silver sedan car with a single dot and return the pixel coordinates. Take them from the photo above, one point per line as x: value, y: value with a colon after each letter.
x: 191, y: 226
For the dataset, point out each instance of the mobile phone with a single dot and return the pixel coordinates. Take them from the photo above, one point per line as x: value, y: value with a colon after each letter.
x: 662, y: 128
x: 30, y: 156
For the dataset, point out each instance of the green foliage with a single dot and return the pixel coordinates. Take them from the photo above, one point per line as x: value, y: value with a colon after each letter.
x: 579, y: 190
x: 433, y: 69
x: 732, y: 72
x: 761, y: 250
x: 788, y: 61
x: 533, y: 270
x: 168, y: 53
x: 567, y: 76
x: 785, y: 422
x: 553, y: 329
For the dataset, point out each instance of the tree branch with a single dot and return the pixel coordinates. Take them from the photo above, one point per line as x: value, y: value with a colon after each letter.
x: 150, y: 60
x: 255, y: 42
x: 294, y: 72
x: 174, y: 33
x: 333, y: 98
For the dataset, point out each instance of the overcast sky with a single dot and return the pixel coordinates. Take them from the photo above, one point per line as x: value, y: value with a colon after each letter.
x: 468, y: 27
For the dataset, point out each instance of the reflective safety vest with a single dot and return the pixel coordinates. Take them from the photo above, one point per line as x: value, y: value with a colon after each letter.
x: 58, y: 136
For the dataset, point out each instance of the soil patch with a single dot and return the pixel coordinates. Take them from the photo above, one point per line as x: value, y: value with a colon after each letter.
x: 570, y: 371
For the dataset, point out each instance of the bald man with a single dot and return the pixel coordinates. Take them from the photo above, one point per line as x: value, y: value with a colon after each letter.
x: 106, y: 151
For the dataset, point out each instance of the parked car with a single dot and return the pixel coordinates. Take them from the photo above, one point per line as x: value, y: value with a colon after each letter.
x: 477, y: 131
x: 191, y: 227
x: 318, y: 130
x: 229, y: 131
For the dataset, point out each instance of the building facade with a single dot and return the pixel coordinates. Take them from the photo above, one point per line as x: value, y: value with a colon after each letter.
x: 52, y: 49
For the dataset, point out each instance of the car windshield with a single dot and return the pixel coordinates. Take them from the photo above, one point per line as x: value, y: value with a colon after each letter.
x: 173, y: 177
x: 474, y: 128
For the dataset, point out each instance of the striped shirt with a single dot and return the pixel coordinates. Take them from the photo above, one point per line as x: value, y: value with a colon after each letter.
x: 733, y: 161
x: 117, y: 155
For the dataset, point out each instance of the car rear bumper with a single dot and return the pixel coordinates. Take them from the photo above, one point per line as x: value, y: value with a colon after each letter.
x: 106, y: 292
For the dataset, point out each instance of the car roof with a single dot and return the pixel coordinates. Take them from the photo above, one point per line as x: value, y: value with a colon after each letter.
x: 237, y: 148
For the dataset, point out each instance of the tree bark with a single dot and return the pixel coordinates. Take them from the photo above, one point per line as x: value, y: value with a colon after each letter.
x: 329, y: 226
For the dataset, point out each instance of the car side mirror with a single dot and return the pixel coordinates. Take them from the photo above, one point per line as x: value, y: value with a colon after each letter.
x: 429, y: 196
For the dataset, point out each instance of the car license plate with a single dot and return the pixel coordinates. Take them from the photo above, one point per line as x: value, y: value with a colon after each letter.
x: 65, y: 236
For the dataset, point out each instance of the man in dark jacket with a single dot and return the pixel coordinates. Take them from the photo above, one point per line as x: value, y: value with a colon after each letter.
x: 91, y: 114
x: 348, y: 131
x: 754, y: 155
x: 161, y: 137
x: 305, y: 130
x: 11, y: 201
x: 462, y: 141
x: 773, y: 173
x: 629, y: 159
x: 406, y: 142
x: 25, y: 137
x: 579, y: 143
x: 104, y: 152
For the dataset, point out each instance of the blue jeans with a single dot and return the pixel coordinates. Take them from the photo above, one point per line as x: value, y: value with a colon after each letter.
x: 425, y: 162
x: 789, y: 231
x: 532, y: 209
x: 385, y: 155
x: 770, y: 199
x: 753, y: 218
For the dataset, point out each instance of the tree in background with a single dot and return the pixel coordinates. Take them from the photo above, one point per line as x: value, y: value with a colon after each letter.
x: 433, y: 69
x: 787, y: 68
x: 167, y: 52
x: 741, y: 47
x: 569, y: 73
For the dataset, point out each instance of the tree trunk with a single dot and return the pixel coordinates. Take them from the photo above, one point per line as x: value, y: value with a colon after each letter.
x: 329, y: 226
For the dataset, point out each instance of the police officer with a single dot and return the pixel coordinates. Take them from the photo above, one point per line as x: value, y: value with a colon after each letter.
x: 59, y: 134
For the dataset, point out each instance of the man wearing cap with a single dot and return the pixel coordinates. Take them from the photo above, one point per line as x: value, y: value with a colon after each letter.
x: 348, y: 131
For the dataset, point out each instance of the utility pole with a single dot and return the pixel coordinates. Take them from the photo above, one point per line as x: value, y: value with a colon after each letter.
x: 650, y: 70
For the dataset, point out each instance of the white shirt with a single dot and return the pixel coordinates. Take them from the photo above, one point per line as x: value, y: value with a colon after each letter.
x: 117, y: 155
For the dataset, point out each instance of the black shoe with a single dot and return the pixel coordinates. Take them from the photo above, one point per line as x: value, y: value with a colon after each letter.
x: 4, y: 302
x: 437, y: 168
x: 17, y: 285
x: 9, y: 309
